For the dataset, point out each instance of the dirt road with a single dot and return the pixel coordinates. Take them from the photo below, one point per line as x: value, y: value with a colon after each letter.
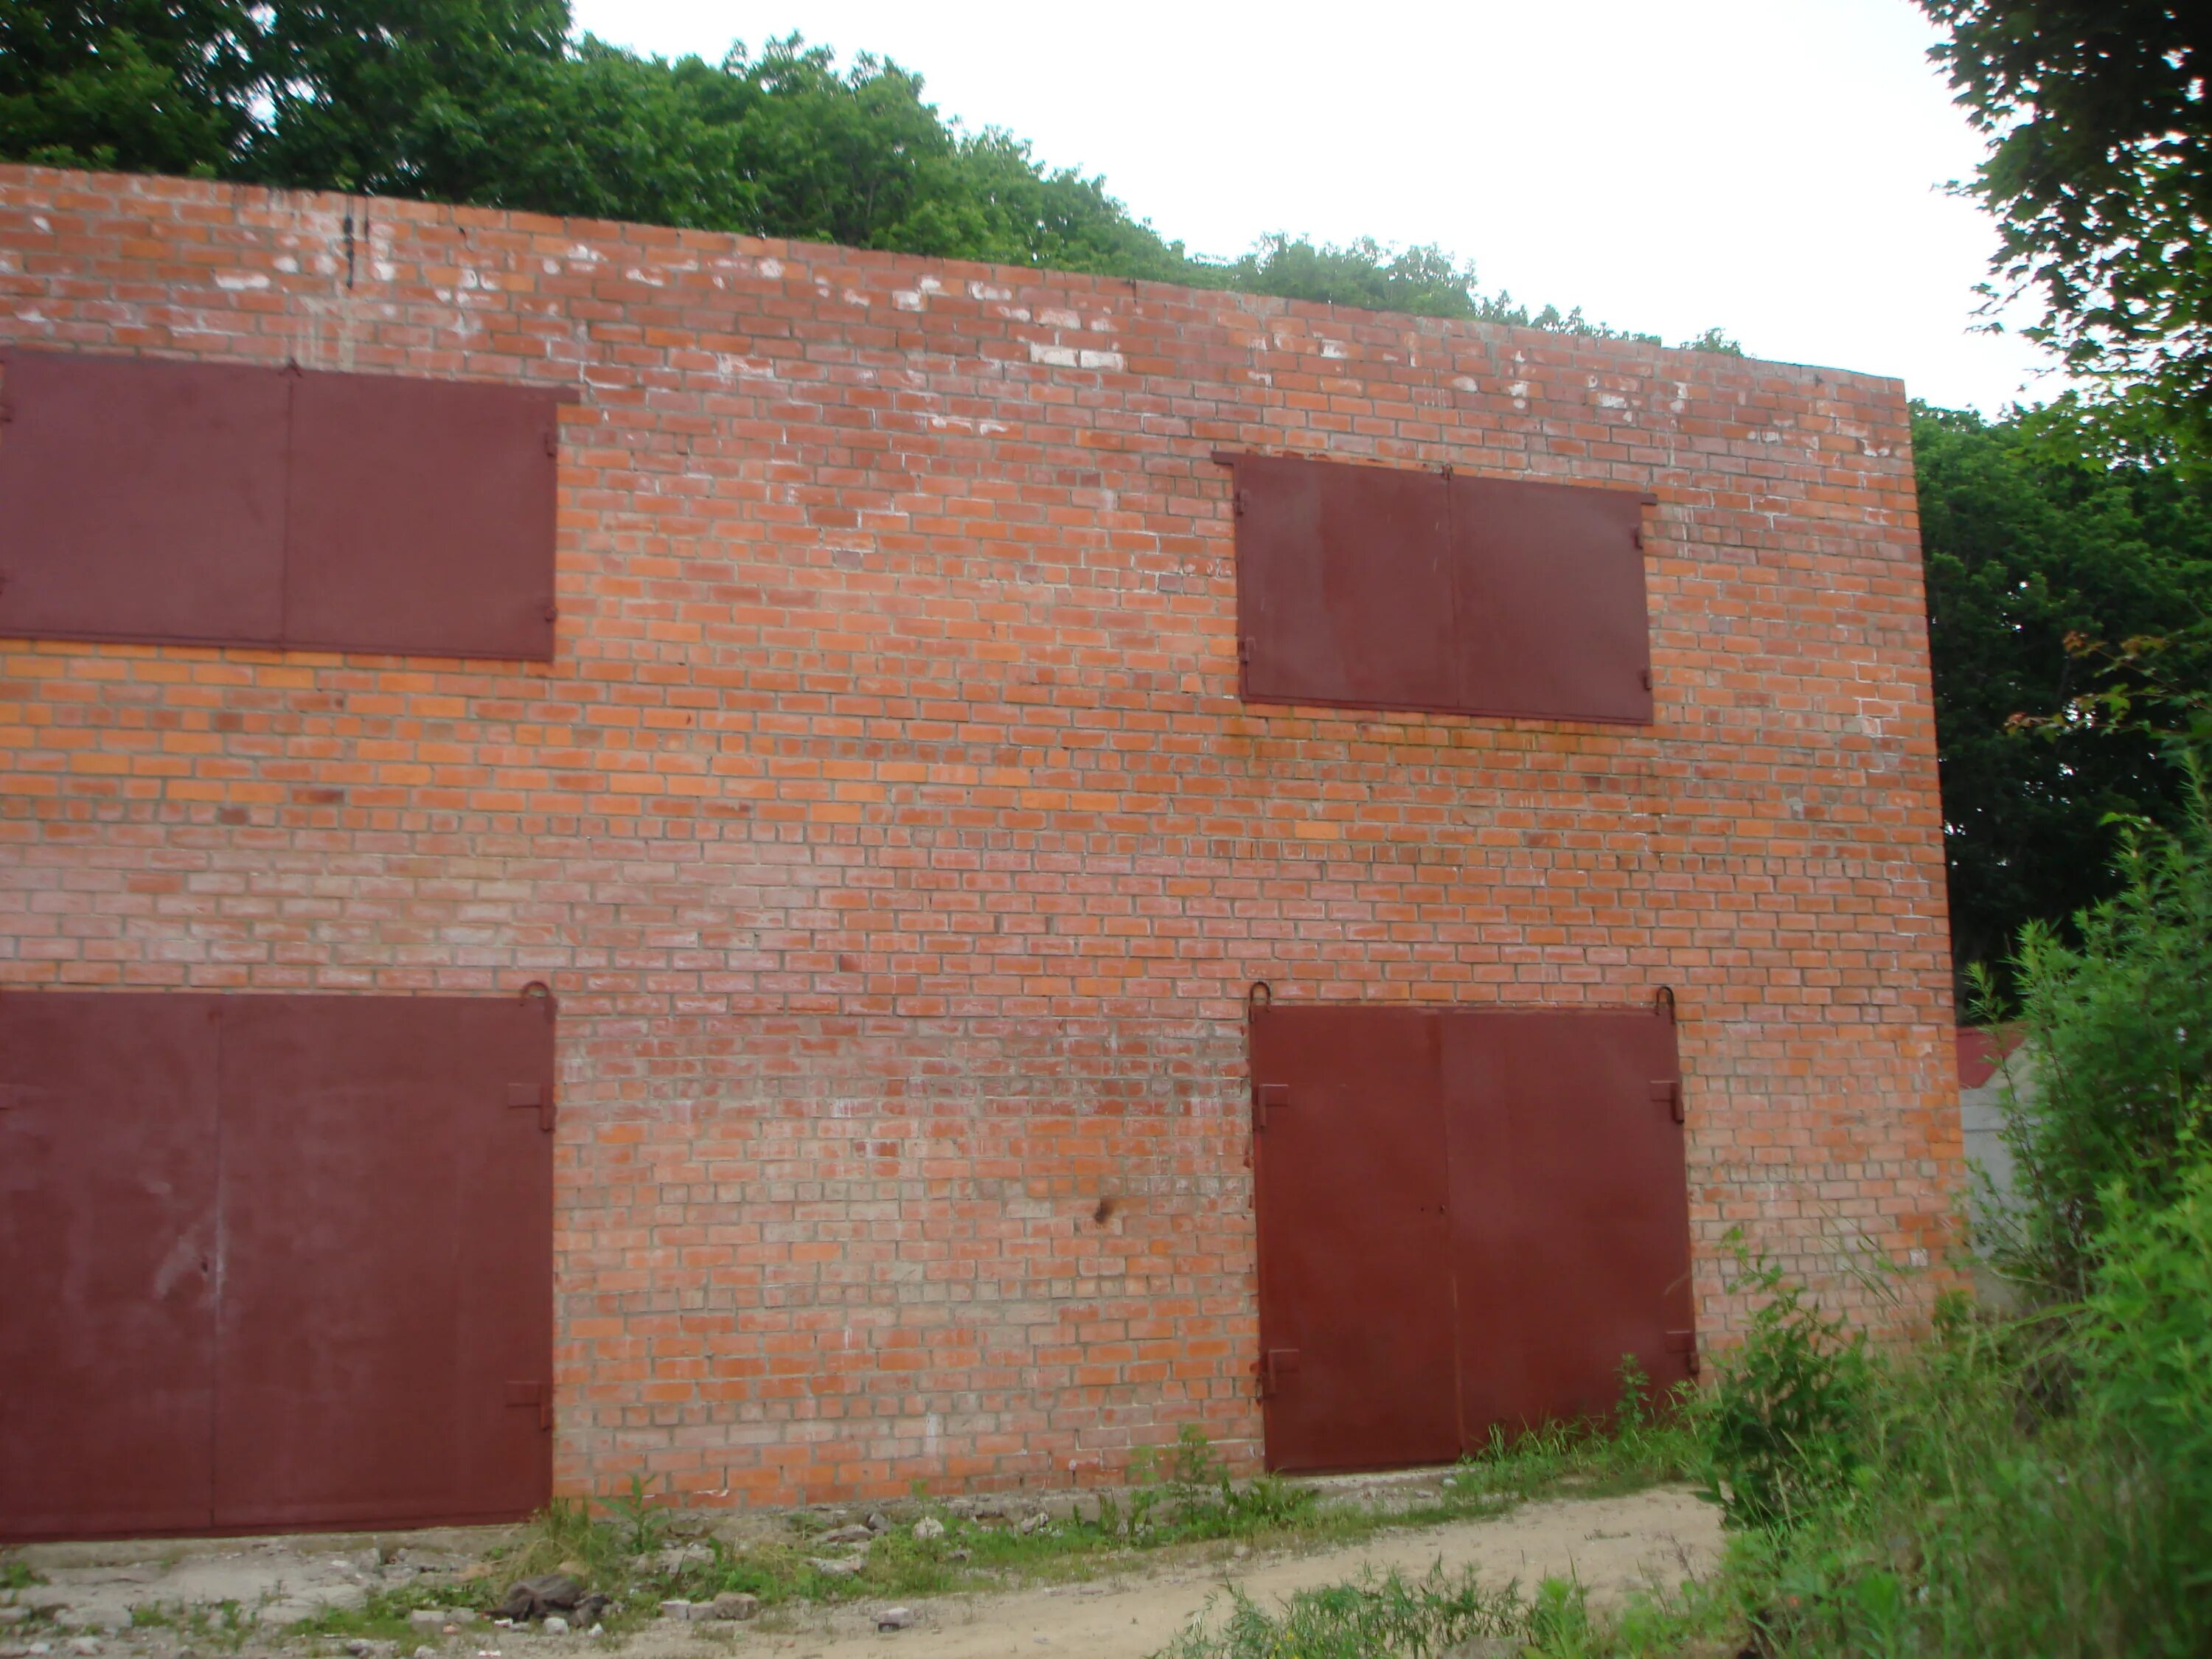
x: 1612, y: 1545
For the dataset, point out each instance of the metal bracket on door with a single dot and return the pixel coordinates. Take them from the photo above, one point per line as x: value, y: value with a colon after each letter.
x: 1668, y: 1092
x: 1684, y: 1343
x: 532, y: 1394
x: 533, y: 1094
x: 1275, y: 1364
x: 1267, y: 1098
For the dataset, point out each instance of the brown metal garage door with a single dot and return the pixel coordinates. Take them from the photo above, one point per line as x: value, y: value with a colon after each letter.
x: 1467, y: 1218
x: 1355, y: 1287
x: 273, y: 1262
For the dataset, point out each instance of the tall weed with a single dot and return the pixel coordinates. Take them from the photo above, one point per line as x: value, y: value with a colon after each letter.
x: 2119, y: 1051
x: 1785, y: 1419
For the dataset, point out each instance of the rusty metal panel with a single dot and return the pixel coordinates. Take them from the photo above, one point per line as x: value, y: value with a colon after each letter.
x: 1344, y: 585
x: 420, y: 517
x: 387, y: 1295
x: 143, y: 499
x: 1551, y: 609
x: 107, y: 1239
x: 1354, y: 1259
x: 1569, y: 1205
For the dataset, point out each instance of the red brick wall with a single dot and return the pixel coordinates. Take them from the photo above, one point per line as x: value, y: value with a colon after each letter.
x: 892, y: 833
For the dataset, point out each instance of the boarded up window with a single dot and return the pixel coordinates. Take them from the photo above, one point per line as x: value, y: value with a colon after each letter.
x: 1383, y: 587
x: 216, y: 504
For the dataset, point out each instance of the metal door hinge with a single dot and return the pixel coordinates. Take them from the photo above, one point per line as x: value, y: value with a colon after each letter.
x: 533, y: 1094
x: 1684, y: 1343
x: 1647, y: 679
x: 1268, y: 1097
x: 1667, y: 1092
x: 553, y: 442
x: 1244, y: 648
x: 1238, y: 499
x: 1275, y: 1364
x: 1636, y: 536
x: 532, y: 1394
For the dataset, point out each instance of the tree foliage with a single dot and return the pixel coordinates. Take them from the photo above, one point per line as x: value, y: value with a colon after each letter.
x: 2066, y: 584
x: 2099, y: 175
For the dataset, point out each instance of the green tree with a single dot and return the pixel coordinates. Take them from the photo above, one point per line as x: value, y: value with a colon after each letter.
x: 2040, y: 547
x: 2099, y: 175
x: 141, y: 86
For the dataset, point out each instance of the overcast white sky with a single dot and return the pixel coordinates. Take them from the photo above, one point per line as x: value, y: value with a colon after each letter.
x: 1774, y: 166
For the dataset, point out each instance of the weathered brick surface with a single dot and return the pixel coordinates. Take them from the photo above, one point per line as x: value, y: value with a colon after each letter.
x: 890, y: 830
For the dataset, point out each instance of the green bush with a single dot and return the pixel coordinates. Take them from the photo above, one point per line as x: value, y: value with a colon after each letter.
x: 2119, y: 1051
x: 1785, y: 1418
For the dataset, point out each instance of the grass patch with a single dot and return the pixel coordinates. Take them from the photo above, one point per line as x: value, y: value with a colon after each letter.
x: 15, y: 1573
x: 1452, y: 1611
x: 223, y: 1627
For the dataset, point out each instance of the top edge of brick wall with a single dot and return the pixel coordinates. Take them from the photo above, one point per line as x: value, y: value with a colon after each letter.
x: 1034, y: 278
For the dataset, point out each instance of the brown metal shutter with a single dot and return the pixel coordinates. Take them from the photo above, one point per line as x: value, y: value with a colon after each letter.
x: 351, y: 1323
x: 420, y: 517
x: 1551, y: 609
x: 107, y: 1240
x: 1392, y: 588
x: 1344, y: 586
x: 140, y: 500
x: 217, y: 504
x: 1355, y: 1282
x: 1570, y: 1204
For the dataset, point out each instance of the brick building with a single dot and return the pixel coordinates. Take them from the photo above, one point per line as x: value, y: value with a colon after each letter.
x: 898, y: 831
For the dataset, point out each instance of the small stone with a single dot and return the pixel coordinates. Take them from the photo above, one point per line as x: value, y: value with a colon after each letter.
x: 426, y: 1651
x: 678, y: 1608
x: 877, y: 1523
x: 359, y: 1647
x: 895, y: 1619
x: 857, y: 1534
x: 1032, y: 1523
x: 85, y: 1644
x: 427, y: 1618
x: 844, y: 1568
x: 734, y: 1604
x: 13, y: 1615
x: 1240, y: 1552
x: 929, y: 1526
x: 555, y: 1625
x: 963, y: 1554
